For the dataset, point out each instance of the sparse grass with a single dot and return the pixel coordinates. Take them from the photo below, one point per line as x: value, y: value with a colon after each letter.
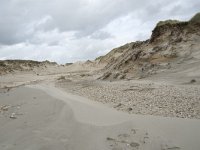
x: 82, y: 75
x: 2, y: 64
x: 61, y: 78
x: 68, y: 64
x: 196, y: 18
x: 167, y: 22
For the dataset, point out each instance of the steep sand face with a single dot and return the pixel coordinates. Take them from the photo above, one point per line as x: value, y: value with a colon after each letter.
x: 171, y: 45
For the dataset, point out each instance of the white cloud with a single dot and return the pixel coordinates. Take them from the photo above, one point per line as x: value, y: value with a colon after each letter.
x: 71, y: 30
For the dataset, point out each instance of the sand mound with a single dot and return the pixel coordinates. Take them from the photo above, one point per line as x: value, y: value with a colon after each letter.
x: 8, y: 66
x: 172, y: 43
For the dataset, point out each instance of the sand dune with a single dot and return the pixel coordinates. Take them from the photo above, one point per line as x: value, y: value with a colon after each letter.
x: 140, y: 96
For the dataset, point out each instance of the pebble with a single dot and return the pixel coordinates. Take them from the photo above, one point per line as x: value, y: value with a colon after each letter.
x: 13, y: 116
x: 181, y: 101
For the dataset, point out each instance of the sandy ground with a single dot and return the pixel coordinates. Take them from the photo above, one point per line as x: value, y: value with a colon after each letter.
x: 64, y: 110
x: 140, y: 96
x: 48, y: 118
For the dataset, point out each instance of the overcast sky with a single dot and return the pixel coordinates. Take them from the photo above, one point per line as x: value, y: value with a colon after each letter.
x: 73, y: 30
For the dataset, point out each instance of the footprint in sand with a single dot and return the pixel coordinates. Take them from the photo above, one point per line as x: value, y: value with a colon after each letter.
x: 138, y: 140
x: 166, y: 147
x: 124, y: 141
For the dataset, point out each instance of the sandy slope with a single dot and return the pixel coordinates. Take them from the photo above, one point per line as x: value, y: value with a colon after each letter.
x: 48, y: 118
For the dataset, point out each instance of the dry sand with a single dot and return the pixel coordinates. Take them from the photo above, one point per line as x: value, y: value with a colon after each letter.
x: 48, y: 118
x: 140, y: 96
x: 37, y: 112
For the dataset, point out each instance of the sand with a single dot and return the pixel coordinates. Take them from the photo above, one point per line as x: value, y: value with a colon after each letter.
x: 45, y: 111
x: 141, y: 96
x: 49, y: 118
x: 148, y: 99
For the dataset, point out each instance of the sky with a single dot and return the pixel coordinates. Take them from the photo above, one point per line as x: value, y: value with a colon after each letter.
x: 75, y: 30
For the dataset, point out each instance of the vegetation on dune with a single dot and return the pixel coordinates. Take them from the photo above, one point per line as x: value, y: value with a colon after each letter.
x: 196, y: 18
x: 160, y: 23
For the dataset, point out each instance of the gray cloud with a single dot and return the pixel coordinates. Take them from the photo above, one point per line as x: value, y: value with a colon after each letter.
x: 101, y: 35
x: 69, y: 30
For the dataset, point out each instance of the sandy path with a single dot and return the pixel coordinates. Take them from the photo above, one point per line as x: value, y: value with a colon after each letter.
x: 49, y: 119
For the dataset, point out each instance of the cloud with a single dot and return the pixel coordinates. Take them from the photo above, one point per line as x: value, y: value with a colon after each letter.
x: 71, y: 30
x: 100, y: 35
